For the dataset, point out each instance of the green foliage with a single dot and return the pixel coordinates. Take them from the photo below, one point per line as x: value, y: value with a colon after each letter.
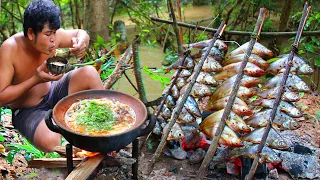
x: 155, y: 75
x: 4, y: 111
x: 170, y: 57
x: 2, y: 138
x: 310, y: 45
x: 28, y: 150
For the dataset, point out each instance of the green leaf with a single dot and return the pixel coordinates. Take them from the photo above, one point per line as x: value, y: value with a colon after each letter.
x: 1, y: 138
x: 317, y: 62
x: 272, y: 60
x: 309, y: 47
x: 31, y: 175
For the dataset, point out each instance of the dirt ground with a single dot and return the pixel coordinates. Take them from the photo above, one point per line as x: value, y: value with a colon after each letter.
x: 166, y: 167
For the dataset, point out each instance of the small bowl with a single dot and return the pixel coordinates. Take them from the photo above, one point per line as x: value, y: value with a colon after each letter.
x: 58, y: 65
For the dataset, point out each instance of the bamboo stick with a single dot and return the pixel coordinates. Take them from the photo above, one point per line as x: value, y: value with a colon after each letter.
x: 214, y: 144
x: 240, y: 33
x: 179, y: 107
x: 289, y: 63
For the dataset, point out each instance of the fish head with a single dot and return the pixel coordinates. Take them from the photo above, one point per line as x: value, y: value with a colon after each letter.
x: 280, y: 144
x: 299, y: 86
x: 291, y: 96
x: 175, y: 132
x: 306, y: 69
x: 291, y: 124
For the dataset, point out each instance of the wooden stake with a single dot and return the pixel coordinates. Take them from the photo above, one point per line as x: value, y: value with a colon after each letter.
x: 179, y: 106
x: 84, y: 169
x: 289, y: 63
x: 214, y: 144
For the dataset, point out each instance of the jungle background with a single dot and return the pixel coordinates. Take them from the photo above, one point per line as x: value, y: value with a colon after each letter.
x: 158, y: 46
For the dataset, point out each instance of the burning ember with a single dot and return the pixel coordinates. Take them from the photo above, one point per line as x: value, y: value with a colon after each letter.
x: 83, y: 153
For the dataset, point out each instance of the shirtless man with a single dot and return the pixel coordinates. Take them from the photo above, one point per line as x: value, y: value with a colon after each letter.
x: 25, y: 83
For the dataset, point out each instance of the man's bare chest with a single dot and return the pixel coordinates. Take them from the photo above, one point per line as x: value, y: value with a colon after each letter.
x: 25, y: 69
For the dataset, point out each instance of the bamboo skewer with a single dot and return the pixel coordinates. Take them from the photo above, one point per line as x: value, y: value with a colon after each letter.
x: 179, y: 107
x: 214, y: 144
x: 289, y: 63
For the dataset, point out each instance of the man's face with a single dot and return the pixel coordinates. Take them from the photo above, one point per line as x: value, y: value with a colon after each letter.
x: 44, y: 42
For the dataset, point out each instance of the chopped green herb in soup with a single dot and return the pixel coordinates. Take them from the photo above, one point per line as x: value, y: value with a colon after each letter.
x: 99, y: 117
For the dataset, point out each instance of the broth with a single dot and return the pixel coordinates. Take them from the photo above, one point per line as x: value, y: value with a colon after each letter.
x: 99, y: 117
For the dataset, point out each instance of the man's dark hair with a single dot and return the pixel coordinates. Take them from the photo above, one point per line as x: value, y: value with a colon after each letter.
x: 38, y: 13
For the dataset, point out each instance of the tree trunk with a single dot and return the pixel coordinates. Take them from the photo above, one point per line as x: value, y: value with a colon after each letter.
x: 284, y: 18
x: 286, y: 8
x: 72, y: 17
x: 78, y: 19
x: 86, y: 17
x: 98, y: 22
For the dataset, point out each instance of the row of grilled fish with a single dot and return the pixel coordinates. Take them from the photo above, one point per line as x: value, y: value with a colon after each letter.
x: 190, y: 116
x: 245, y: 125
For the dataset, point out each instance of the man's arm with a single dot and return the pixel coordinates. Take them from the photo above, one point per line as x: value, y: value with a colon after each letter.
x: 76, y: 39
x: 8, y: 92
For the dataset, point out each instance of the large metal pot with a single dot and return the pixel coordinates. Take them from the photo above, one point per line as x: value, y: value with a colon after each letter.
x: 104, y: 144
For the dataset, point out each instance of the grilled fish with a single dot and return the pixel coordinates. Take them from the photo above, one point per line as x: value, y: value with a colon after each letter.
x: 239, y: 106
x: 284, y: 106
x: 202, y: 44
x: 198, y: 90
x: 294, y: 83
x: 272, y: 94
x: 258, y: 49
x: 232, y: 69
x: 255, y: 59
x: 234, y: 121
x: 211, y: 65
x: 274, y: 140
x: 204, y: 78
x: 298, y: 65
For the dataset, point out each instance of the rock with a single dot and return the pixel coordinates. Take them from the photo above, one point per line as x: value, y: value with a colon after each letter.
x: 273, y: 174
x: 197, y: 156
x: 300, y: 166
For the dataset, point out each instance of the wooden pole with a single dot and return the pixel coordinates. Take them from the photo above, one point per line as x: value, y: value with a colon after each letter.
x: 178, y: 5
x: 179, y: 106
x: 289, y: 63
x: 214, y: 144
x: 175, y: 28
x: 240, y: 33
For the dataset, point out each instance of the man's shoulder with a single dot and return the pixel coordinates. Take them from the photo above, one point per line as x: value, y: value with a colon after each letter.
x: 12, y: 44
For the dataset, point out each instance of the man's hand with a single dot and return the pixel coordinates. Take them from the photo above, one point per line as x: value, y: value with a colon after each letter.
x: 79, y: 47
x: 42, y: 74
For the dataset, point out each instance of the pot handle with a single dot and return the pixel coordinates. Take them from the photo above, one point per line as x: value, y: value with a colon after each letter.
x: 48, y: 120
x: 150, y: 126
